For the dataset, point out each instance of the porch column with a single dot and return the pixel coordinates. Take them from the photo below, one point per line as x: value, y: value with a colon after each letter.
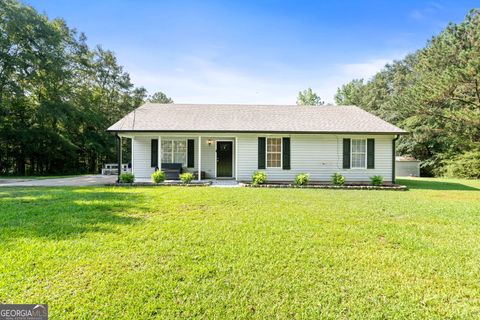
x: 199, y: 158
x: 133, y: 155
x: 119, y: 156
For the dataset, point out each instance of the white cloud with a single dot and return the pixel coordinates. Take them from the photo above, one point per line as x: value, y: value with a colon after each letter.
x: 341, y: 74
x: 196, y: 80
x: 417, y: 15
x: 363, y: 69
x: 202, y: 81
x: 427, y: 12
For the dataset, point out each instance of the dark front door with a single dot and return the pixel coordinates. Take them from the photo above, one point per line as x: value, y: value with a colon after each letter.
x: 224, y: 159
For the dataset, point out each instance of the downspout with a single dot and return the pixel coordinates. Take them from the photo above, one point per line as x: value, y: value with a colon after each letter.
x: 393, y: 158
x: 119, y: 156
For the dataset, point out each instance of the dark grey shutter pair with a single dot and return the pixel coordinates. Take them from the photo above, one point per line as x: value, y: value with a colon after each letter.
x: 190, y: 153
x: 370, y: 153
x: 154, y: 153
x: 262, y: 157
x: 286, y: 153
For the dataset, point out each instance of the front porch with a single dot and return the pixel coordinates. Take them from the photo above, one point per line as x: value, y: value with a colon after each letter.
x: 208, y: 157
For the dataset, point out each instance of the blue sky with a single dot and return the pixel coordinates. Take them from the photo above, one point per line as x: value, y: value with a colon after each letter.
x: 254, y: 51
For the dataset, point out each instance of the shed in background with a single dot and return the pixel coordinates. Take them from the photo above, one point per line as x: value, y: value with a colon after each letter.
x: 407, y: 166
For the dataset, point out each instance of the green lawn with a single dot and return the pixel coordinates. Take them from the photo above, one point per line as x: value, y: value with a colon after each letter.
x: 172, y: 252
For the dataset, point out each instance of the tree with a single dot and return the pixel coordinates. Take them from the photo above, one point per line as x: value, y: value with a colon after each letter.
x: 57, y: 96
x: 434, y: 94
x: 159, y: 97
x: 350, y: 93
x: 309, y: 98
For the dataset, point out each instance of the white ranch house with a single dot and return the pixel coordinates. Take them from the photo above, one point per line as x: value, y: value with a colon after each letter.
x: 232, y: 141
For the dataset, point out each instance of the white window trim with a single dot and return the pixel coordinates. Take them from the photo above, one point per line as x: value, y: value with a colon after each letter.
x: 281, y: 153
x: 173, y: 153
x: 351, y: 155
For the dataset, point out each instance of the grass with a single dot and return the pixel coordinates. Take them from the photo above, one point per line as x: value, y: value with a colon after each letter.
x: 175, y: 252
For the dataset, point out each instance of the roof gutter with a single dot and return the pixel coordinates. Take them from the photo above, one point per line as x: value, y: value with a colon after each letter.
x: 264, y: 131
x: 119, y: 156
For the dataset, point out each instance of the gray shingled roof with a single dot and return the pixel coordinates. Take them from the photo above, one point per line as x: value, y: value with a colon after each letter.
x: 252, y: 118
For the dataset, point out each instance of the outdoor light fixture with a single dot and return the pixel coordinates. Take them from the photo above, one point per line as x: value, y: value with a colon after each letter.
x: 209, y: 142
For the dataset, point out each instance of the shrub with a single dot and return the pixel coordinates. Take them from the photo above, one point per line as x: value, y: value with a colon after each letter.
x: 466, y: 165
x: 126, y: 177
x: 158, y: 176
x: 338, y: 179
x: 376, y: 180
x: 186, y: 177
x: 301, y: 179
x: 259, y: 177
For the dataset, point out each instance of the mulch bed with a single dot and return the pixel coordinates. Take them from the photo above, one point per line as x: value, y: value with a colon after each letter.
x: 395, y: 187
x: 163, y: 184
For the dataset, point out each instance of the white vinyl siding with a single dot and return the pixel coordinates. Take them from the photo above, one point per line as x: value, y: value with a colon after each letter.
x: 320, y: 155
x: 142, y: 149
x: 141, y: 157
x: 209, y: 161
x: 142, y: 146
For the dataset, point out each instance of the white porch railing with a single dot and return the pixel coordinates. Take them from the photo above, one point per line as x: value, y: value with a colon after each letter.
x: 112, y: 168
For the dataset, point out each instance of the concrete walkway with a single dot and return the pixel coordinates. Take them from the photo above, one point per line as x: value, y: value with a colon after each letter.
x: 225, y: 184
x: 79, y: 181
x: 90, y: 180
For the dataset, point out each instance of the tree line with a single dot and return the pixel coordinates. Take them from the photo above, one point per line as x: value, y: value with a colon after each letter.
x: 57, y: 96
x: 433, y: 93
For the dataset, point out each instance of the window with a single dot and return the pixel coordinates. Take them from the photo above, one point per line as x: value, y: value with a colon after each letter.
x: 174, y: 151
x: 359, y: 153
x: 167, y: 151
x: 180, y: 152
x: 274, y: 152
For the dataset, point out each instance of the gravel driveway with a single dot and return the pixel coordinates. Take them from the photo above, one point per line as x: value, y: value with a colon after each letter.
x: 87, y: 180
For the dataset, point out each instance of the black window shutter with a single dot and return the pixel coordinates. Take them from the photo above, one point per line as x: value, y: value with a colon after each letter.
x: 261, y: 152
x: 286, y: 153
x: 154, y: 153
x: 346, y: 153
x: 370, y: 153
x: 191, y: 153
